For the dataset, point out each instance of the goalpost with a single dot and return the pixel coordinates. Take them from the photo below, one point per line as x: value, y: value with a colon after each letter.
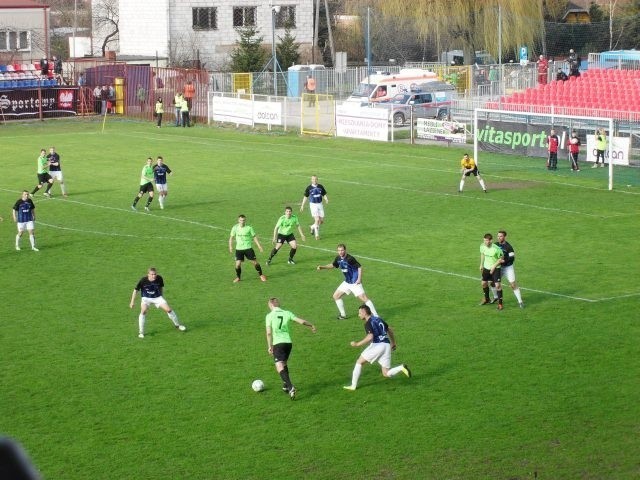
x: 525, y: 134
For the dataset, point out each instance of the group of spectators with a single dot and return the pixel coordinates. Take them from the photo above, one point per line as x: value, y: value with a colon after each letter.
x: 52, y: 69
x: 574, y: 68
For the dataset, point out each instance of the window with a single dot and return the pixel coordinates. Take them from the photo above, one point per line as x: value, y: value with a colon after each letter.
x: 12, y: 40
x: 205, y: 18
x: 244, y: 16
x: 286, y: 17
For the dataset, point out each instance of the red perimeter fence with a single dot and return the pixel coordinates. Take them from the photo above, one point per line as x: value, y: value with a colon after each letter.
x: 135, y: 91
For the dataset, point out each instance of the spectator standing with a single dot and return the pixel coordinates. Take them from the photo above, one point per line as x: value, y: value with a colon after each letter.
x: 574, y: 64
x: 574, y: 150
x: 141, y: 95
x: 177, y: 104
x: 189, y: 93
x: 104, y: 98
x: 159, y: 112
x: 57, y: 70
x: 553, y: 143
x: 543, y: 70
x: 601, y: 146
x: 184, y: 111
x: 44, y: 68
x: 82, y: 81
x: 310, y: 89
x: 97, y: 102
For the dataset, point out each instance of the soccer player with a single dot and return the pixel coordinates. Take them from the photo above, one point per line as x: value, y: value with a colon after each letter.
x: 315, y: 192
x: 244, y: 234
x: 279, y: 340
x: 160, y: 172
x: 150, y: 288
x: 352, y: 271
x: 146, y: 185
x: 490, y: 261
x: 43, y: 174
x: 469, y: 167
x: 553, y: 143
x: 283, y: 232
x: 24, y: 214
x: 380, y: 341
x: 55, y: 169
x: 507, y: 269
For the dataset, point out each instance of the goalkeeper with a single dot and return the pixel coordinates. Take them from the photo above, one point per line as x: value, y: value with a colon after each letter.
x: 469, y: 167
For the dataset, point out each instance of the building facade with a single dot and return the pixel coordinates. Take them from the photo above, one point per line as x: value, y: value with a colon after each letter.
x: 24, y: 31
x: 185, y: 31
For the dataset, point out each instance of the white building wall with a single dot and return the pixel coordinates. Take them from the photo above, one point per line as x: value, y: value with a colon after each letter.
x: 144, y: 27
x: 36, y: 21
x: 215, y: 46
x: 166, y: 27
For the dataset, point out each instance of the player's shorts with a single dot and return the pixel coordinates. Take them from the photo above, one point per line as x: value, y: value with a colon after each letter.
x: 281, y: 351
x: 356, y: 288
x: 378, y: 352
x: 56, y: 175
x: 475, y: 172
x: 317, y: 209
x: 162, y: 187
x: 147, y: 187
x: 155, y: 301
x: 249, y: 254
x: 509, y: 273
x: 286, y: 238
x: 43, y: 178
x: 22, y: 226
x: 494, y: 277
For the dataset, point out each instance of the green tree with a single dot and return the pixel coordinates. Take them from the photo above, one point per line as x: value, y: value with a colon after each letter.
x: 249, y: 55
x: 596, y: 14
x: 628, y: 23
x: 287, y: 51
x: 470, y: 24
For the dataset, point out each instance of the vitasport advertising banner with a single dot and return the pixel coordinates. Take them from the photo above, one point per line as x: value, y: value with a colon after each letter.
x: 513, y: 138
x: 27, y: 103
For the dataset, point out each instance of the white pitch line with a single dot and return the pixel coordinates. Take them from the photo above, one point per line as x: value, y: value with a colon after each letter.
x: 114, y: 234
x: 475, y: 279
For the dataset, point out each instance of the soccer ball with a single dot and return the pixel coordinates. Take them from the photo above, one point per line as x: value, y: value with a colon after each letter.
x: 257, y: 385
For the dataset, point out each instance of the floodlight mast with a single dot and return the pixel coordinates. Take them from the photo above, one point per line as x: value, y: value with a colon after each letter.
x: 275, y: 9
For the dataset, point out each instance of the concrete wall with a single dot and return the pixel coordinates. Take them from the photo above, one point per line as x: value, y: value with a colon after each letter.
x: 34, y: 20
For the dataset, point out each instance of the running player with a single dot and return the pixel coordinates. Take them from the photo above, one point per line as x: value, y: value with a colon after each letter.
x: 146, y: 185
x: 160, y: 172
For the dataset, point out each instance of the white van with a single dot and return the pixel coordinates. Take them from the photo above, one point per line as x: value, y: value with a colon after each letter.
x: 383, y: 86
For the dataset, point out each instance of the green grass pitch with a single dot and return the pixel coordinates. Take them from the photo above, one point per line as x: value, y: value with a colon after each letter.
x: 549, y: 391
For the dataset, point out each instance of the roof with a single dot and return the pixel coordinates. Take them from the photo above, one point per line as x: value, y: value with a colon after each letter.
x: 21, y: 4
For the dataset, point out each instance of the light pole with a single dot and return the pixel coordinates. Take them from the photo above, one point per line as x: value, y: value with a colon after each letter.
x: 275, y: 9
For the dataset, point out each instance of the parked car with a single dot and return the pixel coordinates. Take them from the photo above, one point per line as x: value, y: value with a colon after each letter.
x: 433, y: 100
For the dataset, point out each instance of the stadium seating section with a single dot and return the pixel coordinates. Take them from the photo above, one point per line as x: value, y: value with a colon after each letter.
x: 26, y: 75
x: 594, y: 92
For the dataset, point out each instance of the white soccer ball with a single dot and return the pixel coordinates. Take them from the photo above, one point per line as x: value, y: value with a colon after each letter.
x: 257, y: 385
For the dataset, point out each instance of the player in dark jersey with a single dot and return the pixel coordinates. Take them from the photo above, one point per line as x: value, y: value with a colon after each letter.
x: 55, y: 169
x: 150, y: 288
x: 381, y: 341
x: 352, y: 271
x: 24, y: 214
x: 160, y: 172
x: 315, y: 193
x: 508, y: 271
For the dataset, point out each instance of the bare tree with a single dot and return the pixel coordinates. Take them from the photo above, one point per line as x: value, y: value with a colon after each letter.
x: 106, y: 19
